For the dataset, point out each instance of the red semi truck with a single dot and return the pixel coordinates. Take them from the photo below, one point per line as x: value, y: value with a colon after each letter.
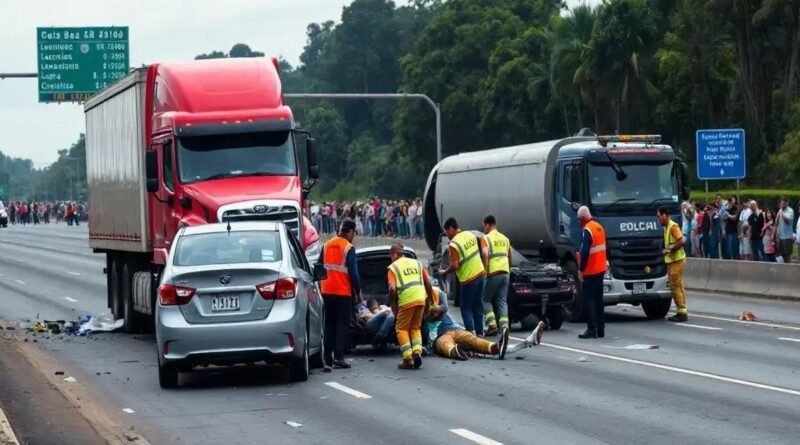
x: 181, y: 144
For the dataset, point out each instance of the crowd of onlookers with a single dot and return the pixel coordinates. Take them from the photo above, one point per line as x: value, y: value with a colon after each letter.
x: 35, y: 212
x: 731, y: 230
x: 376, y: 217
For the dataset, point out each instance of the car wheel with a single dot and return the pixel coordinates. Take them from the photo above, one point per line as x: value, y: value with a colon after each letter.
x: 299, y: 367
x: 574, y: 310
x: 168, y: 375
x: 555, y: 317
x: 529, y: 322
x: 656, y: 309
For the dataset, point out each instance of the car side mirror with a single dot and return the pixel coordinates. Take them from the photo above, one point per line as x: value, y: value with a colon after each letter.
x: 320, y: 273
x: 311, y: 155
x: 151, y: 170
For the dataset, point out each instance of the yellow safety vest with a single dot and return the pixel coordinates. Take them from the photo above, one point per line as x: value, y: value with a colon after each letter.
x: 470, y: 264
x: 498, y: 252
x: 669, y: 242
x: 408, y: 278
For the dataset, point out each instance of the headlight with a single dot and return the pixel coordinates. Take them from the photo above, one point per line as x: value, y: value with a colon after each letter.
x: 313, y: 251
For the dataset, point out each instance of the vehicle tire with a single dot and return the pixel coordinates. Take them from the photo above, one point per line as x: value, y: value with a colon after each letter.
x: 299, y: 367
x: 317, y: 361
x: 555, y: 317
x: 529, y: 322
x: 168, y: 375
x: 115, y: 289
x: 657, y: 309
x: 574, y: 310
x: 133, y: 320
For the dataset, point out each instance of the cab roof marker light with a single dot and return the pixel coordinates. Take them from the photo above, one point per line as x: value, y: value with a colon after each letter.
x: 646, y: 138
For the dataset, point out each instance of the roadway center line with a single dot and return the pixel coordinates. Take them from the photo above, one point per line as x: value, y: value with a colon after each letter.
x: 796, y: 340
x: 755, y: 323
x: 475, y: 437
x: 19, y: 282
x: 71, y: 300
x: 707, y: 375
x: 347, y: 390
x: 697, y: 326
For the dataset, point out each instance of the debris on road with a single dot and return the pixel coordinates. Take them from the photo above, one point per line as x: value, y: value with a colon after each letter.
x: 101, y: 323
x: 70, y: 379
x: 128, y: 410
x: 747, y: 316
x: 636, y: 347
x: 584, y: 360
x: 293, y: 424
x: 59, y: 372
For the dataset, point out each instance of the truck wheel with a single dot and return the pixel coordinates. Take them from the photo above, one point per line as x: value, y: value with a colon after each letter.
x: 299, y: 368
x: 132, y: 318
x: 656, y: 309
x: 555, y: 317
x: 168, y: 375
x: 115, y: 290
x: 529, y: 322
x: 574, y: 310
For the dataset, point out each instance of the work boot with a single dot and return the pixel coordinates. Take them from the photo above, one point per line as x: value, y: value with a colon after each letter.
x: 491, y: 331
x: 406, y: 364
x: 341, y: 364
x: 589, y: 333
x: 503, y: 346
x: 601, y: 333
x: 460, y: 354
x: 679, y: 318
x: 416, y: 357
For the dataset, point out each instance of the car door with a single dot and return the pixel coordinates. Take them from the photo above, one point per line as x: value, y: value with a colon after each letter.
x: 311, y: 292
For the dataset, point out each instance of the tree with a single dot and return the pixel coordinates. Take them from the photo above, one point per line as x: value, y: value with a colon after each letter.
x: 238, y: 50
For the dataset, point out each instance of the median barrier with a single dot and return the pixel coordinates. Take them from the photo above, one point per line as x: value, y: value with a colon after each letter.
x: 746, y: 278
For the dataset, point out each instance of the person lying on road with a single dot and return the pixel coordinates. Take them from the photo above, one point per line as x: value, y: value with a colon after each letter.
x: 377, y: 319
x: 451, y: 340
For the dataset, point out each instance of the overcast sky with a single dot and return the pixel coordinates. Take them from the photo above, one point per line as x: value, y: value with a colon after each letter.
x: 165, y: 30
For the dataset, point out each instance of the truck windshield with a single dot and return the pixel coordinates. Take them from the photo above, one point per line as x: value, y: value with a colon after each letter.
x: 645, y: 184
x: 231, y: 155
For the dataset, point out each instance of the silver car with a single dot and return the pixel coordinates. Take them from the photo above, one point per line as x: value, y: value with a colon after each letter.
x: 242, y: 293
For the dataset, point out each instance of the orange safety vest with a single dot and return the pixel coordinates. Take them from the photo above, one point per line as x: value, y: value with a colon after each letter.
x: 596, y: 263
x: 334, y: 258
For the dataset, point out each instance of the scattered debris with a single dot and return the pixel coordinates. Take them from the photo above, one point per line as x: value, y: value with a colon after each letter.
x: 70, y: 379
x: 128, y: 410
x: 325, y: 397
x: 747, y: 316
x: 293, y: 424
x: 59, y: 372
x: 501, y: 395
x: 39, y: 327
x: 131, y: 437
x: 636, y: 347
x: 519, y: 357
x: 101, y: 323
x: 584, y: 359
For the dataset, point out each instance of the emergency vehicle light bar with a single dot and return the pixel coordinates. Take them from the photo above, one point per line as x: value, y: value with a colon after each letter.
x: 646, y: 138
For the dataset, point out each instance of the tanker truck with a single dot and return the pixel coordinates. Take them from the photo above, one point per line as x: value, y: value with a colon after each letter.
x: 535, y: 191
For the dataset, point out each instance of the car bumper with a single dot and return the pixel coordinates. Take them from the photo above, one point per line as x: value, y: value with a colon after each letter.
x: 621, y: 291
x: 277, y: 338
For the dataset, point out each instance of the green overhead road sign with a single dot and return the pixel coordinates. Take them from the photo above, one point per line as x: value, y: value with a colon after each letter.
x: 75, y: 63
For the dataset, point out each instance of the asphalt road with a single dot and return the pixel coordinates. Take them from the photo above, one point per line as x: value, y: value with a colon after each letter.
x: 713, y: 380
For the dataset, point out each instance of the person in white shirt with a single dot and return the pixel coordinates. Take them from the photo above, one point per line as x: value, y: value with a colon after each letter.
x: 419, y: 220
x: 745, y: 249
x: 412, y: 218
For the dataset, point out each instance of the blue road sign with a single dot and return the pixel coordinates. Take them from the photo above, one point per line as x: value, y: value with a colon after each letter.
x: 721, y: 154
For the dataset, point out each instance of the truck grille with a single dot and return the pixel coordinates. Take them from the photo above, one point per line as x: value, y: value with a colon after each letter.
x: 629, y: 258
x: 288, y: 214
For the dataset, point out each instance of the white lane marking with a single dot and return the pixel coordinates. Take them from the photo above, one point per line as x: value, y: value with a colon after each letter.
x: 707, y: 375
x: 75, y: 274
x: 128, y: 410
x: 347, y: 390
x: 755, y: 323
x: 475, y: 437
x: 6, y: 432
x: 71, y: 300
x: 19, y: 282
x: 70, y: 379
x: 796, y: 340
x: 697, y: 326
x: 293, y: 424
x: 19, y: 260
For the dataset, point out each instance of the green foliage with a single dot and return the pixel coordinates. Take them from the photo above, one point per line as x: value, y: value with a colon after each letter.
x: 238, y: 50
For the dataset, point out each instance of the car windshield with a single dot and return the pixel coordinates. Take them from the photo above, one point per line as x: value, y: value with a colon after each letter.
x: 645, y: 184
x: 206, y: 249
x: 231, y: 155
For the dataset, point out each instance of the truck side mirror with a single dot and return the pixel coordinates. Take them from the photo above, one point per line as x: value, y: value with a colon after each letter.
x: 311, y: 155
x: 320, y: 273
x: 151, y: 170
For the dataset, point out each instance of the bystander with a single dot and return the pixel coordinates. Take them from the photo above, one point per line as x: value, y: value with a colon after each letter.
x: 785, y: 235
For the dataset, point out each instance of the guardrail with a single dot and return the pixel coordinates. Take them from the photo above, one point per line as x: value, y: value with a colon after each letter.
x: 746, y: 278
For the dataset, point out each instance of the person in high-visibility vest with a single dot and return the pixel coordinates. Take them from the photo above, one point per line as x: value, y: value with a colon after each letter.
x: 409, y: 291
x: 593, y: 268
x: 675, y: 257
x: 495, y: 294
x: 338, y: 291
x: 467, y: 260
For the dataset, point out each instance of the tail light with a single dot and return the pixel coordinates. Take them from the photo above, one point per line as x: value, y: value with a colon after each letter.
x: 169, y: 295
x: 283, y: 289
x: 523, y: 289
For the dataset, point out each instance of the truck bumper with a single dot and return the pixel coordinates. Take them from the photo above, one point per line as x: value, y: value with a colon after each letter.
x: 621, y: 291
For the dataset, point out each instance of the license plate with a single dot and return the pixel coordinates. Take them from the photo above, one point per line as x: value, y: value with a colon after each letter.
x: 223, y: 303
x: 639, y: 288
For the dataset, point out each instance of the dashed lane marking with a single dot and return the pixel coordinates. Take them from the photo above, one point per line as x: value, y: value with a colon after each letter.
x: 697, y: 326
x: 19, y: 282
x: 707, y: 375
x: 71, y: 300
x: 474, y: 437
x: 796, y: 340
x: 74, y: 274
x: 348, y: 390
x: 754, y: 323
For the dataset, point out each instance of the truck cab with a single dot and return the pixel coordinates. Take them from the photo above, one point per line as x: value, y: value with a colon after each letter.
x: 623, y: 180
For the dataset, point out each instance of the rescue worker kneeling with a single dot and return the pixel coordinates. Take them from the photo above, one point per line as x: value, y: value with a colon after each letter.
x: 410, y: 292
x: 451, y: 340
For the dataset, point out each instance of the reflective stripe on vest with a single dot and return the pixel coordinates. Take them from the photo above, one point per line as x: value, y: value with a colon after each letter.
x: 408, y: 278
x: 470, y: 264
x: 334, y: 258
x: 498, y: 252
x: 669, y: 242
x: 596, y: 263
